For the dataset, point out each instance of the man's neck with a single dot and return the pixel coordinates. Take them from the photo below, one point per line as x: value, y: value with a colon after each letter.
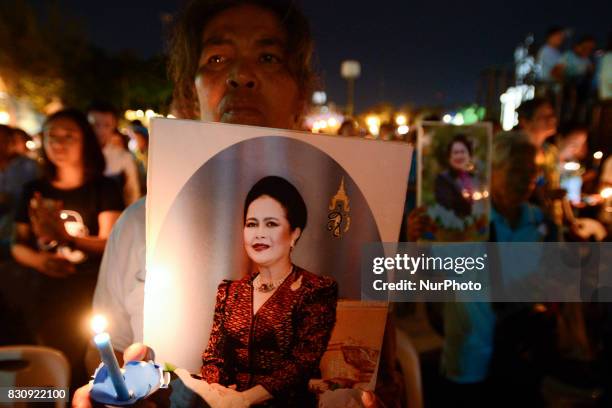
x: 512, y: 214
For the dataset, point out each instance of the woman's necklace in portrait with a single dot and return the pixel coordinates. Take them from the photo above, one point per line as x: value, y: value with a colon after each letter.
x: 265, y: 287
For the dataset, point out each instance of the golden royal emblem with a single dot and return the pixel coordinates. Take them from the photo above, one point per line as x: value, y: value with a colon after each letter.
x: 339, y: 209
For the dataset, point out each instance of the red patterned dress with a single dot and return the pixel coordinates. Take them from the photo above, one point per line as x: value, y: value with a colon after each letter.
x: 280, y: 347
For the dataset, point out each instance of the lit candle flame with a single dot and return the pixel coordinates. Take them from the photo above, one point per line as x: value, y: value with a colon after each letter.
x: 98, y: 324
x: 606, y: 193
x: 571, y: 166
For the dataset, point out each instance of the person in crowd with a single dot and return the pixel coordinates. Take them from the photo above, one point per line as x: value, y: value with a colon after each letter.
x: 575, y: 72
x: 537, y: 120
x: 20, y: 140
x: 233, y: 62
x: 573, y: 142
x: 387, y: 131
x: 469, y: 327
x: 62, y: 223
x: 140, y: 136
x: 513, y: 179
x: 296, y: 307
x: 575, y: 64
x: 16, y: 170
x: 454, y: 186
x: 120, y: 140
x: 573, y: 150
x: 605, y: 73
x: 349, y: 128
x: 548, y: 58
x: 119, y: 162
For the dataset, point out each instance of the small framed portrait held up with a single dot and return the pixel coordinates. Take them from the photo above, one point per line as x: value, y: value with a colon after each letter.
x: 453, y: 177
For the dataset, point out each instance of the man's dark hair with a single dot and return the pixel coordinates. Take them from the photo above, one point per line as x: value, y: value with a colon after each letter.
x: 6, y: 138
x: 103, y: 107
x: 287, y: 196
x: 554, y: 30
x: 527, y: 109
x: 185, y: 46
x: 584, y: 39
x: 571, y: 127
x: 93, y: 159
x: 22, y: 134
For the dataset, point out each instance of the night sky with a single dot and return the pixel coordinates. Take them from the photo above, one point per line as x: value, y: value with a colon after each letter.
x: 419, y: 52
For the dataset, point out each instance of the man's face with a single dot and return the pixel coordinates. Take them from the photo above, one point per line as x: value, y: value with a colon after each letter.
x: 243, y: 76
x: 585, y: 49
x: 543, y: 124
x: 104, y: 125
x: 513, y: 183
x: 556, y: 39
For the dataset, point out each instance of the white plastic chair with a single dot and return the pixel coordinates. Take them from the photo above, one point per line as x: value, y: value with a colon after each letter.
x: 411, y: 369
x: 34, y: 366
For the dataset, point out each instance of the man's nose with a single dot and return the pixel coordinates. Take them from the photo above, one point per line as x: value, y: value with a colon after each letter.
x: 242, y: 76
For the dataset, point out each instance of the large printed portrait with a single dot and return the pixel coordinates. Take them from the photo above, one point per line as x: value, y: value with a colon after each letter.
x: 453, y: 181
x: 224, y: 200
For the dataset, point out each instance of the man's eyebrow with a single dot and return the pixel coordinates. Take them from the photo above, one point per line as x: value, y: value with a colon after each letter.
x: 216, y: 40
x: 271, y: 41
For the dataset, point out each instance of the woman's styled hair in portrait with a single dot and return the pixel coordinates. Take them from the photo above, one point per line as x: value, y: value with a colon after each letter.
x: 459, y: 138
x: 93, y: 158
x: 185, y: 46
x: 287, y: 196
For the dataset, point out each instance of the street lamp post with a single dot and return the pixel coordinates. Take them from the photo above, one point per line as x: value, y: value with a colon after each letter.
x: 350, y: 70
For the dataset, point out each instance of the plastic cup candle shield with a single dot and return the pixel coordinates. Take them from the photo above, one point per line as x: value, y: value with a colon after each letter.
x: 103, y: 343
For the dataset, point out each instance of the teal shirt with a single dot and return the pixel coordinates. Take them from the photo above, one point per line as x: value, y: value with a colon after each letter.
x: 470, y: 326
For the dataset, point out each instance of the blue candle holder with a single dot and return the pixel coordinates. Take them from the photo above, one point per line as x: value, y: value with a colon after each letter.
x: 141, y: 378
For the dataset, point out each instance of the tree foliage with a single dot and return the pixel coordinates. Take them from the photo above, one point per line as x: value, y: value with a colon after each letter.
x: 47, y: 55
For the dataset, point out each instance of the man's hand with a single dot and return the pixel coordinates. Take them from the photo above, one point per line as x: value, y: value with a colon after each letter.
x: 135, y: 352
x: 418, y: 223
x: 138, y: 352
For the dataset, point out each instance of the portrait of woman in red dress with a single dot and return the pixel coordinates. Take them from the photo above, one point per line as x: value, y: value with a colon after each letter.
x: 271, y: 327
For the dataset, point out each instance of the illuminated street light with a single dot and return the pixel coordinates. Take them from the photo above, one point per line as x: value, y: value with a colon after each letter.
x: 402, y: 130
x: 319, y: 98
x: 598, y: 155
x: 401, y: 120
x: 350, y: 70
